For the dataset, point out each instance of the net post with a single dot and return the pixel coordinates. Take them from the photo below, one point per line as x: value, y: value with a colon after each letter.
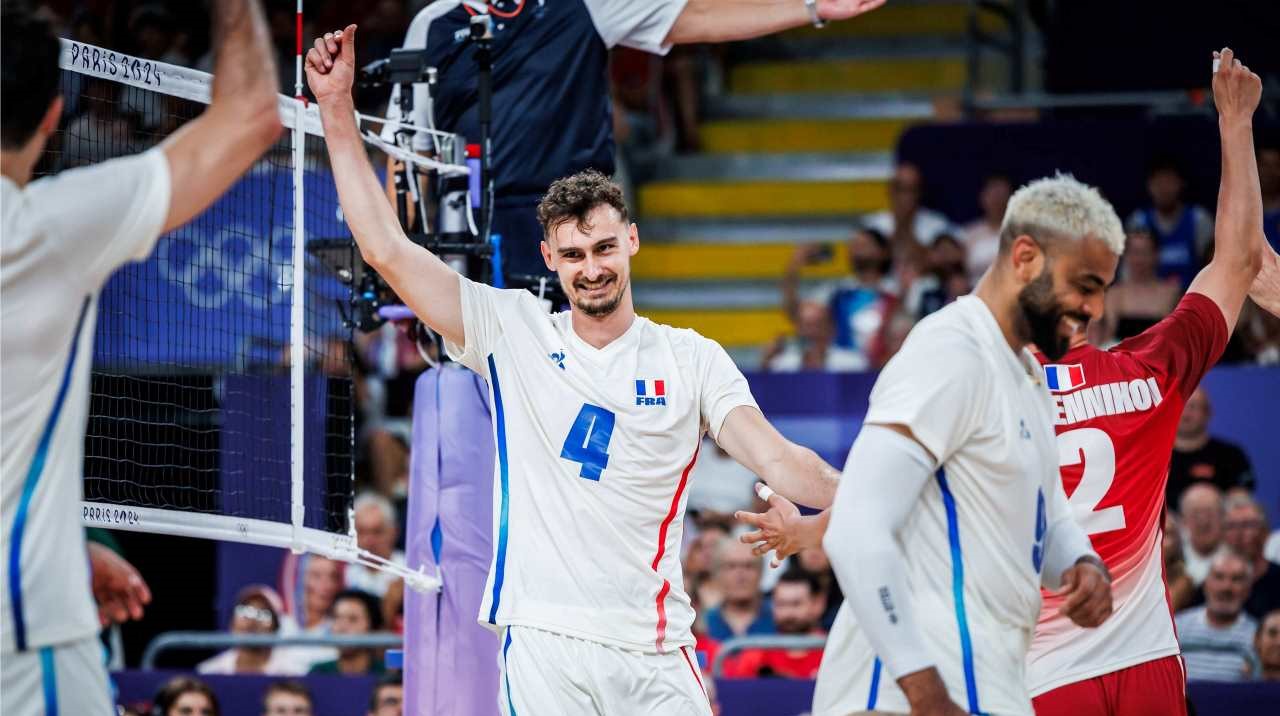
x: 297, y: 309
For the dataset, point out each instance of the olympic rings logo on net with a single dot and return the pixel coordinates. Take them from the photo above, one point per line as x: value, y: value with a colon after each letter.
x: 232, y: 264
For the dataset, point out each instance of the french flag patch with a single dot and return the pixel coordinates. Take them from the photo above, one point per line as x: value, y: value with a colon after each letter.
x: 1062, y: 378
x: 651, y: 392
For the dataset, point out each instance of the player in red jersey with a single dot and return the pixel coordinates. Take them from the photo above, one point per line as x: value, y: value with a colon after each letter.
x: 1116, y: 415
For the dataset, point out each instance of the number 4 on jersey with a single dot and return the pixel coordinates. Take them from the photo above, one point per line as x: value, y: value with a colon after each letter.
x: 588, y: 440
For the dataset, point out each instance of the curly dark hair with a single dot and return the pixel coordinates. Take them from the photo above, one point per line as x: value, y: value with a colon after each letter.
x: 571, y: 198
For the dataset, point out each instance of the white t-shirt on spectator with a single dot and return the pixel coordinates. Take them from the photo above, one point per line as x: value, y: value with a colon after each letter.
x: 304, y: 657
x: 1205, y: 665
x: 1197, y: 564
x: 838, y: 360
x: 639, y: 25
x: 373, y: 581
x: 719, y: 483
x: 928, y: 224
x: 278, y: 664
x: 62, y: 237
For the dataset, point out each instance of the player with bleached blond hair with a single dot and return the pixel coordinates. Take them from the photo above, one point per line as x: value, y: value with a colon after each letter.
x: 950, y: 515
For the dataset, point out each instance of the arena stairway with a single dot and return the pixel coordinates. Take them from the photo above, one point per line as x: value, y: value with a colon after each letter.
x: 799, y: 144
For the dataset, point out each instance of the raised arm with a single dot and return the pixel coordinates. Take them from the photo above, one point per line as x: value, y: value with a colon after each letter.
x: 728, y: 20
x: 208, y: 154
x: 1238, y: 236
x: 795, y: 472
x: 425, y: 283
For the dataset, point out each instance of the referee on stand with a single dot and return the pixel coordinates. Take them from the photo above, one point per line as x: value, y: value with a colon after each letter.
x: 62, y: 237
x: 552, y: 115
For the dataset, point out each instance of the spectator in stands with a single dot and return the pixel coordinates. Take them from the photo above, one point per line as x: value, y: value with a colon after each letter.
x: 906, y: 222
x: 1244, y: 529
x: 982, y: 237
x: 810, y: 348
x: 701, y: 584
x: 1269, y: 180
x: 376, y: 531
x: 860, y: 304
x: 1201, y: 510
x: 102, y: 131
x: 798, y: 604
x: 354, y: 613
x: 257, y: 611
x: 311, y: 583
x: 322, y: 580
x: 1199, y: 457
x: 387, y: 698
x: 945, y: 278
x: 1140, y: 298
x: 287, y: 698
x: 1266, y: 644
x: 1182, y: 590
x: 719, y: 486
x: 393, y: 607
x: 1183, y: 232
x: 814, y: 561
x: 743, y: 609
x: 1220, y: 625
x: 185, y: 696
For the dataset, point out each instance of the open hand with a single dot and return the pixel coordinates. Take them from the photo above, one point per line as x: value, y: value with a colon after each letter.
x: 1236, y: 90
x: 1086, y: 589
x: 331, y: 65
x: 782, y: 529
x: 117, y: 587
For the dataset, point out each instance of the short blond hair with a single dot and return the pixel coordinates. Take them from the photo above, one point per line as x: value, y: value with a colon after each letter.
x: 1061, y: 207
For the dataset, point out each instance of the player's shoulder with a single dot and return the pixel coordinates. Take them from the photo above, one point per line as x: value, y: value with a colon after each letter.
x: 678, y: 337
x: 955, y: 327
x: 689, y: 347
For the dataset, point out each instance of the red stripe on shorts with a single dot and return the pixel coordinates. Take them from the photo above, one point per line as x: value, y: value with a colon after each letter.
x: 662, y: 548
x: 684, y: 651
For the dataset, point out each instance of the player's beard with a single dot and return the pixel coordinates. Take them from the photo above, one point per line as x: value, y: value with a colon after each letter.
x: 603, y: 305
x: 1039, y: 316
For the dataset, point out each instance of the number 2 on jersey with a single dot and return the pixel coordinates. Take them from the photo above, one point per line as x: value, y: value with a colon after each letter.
x: 588, y: 440
x: 1095, y: 448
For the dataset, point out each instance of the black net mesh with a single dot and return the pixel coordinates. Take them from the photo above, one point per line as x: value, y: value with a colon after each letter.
x: 191, y: 400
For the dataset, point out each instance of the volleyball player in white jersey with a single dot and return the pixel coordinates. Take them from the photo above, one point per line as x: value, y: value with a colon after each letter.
x: 951, y: 514
x: 598, y: 415
x: 62, y: 237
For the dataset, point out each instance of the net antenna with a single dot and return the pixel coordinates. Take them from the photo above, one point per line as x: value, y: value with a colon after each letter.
x: 200, y: 348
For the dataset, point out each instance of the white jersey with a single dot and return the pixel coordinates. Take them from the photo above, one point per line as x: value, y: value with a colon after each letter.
x: 63, y: 236
x: 595, y: 448
x: 974, y: 545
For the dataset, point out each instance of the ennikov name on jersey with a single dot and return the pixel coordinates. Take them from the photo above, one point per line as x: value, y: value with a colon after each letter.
x: 1072, y: 405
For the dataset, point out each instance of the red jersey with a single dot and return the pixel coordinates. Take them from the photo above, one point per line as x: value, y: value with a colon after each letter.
x: 1116, y: 413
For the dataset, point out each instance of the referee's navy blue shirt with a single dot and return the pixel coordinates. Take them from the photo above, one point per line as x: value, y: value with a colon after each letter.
x: 551, y: 104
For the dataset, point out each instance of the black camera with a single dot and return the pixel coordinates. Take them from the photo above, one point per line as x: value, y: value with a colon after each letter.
x: 400, y: 68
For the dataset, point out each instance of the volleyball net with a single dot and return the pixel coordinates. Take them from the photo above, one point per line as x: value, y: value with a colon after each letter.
x: 222, y: 400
